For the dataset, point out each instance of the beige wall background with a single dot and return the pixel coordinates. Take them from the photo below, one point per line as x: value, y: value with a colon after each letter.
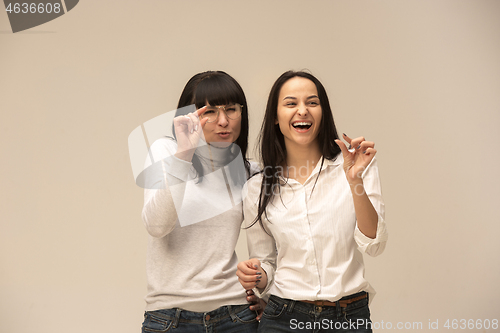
x: 420, y: 78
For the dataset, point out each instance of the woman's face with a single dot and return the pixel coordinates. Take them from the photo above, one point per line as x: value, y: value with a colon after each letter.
x: 223, y: 131
x: 299, y: 112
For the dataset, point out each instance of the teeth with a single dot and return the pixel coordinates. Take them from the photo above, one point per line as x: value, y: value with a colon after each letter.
x: 303, y: 123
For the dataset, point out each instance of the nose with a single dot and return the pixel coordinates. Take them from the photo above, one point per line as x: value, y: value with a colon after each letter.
x: 222, y: 121
x: 302, y: 109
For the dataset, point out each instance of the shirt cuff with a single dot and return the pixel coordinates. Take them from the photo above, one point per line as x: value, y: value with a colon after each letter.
x: 372, y: 246
x: 270, y: 279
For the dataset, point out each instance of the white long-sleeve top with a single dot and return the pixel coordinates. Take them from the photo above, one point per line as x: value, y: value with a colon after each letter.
x: 314, y: 250
x: 192, y: 266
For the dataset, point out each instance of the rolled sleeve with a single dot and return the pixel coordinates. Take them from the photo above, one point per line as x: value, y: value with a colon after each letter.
x: 371, y: 181
x: 372, y: 246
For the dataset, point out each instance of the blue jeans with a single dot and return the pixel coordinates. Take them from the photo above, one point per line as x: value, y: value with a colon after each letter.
x: 286, y: 315
x: 226, y: 319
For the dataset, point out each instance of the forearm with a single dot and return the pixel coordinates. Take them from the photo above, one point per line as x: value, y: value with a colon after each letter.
x: 162, y: 203
x: 159, y: 213
x: 366, y: 215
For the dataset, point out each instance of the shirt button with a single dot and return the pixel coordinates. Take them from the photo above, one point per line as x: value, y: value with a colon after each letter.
x: 207, y: 318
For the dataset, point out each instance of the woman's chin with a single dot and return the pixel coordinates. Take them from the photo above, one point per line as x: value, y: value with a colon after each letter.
x: 220, y: 144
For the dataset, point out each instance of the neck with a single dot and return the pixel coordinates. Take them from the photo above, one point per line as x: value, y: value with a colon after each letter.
x: 301, y: 160
x: 215, y: 156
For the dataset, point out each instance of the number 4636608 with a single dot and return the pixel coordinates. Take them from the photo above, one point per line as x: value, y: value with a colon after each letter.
x: 471, y: 324
x: 32, y: 8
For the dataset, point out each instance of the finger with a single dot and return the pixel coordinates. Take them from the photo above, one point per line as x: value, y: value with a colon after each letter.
x: 255, y: 307
x: 200, y: 111
x: 247, y: 285
x: 363, y: 146
x: 245, y: 270
x: 203, y: 122
x: 194, y: 120
x: 181, y: 124
x: 367, y: 144
x: 252, y: 298
x: 342, y: 147
x: 356, y: 143
x: 346, y: 138
x: 262, y: 306
x: 188, y: 123
x: 248, y: 277
x: 250, y: 292
x: 370, y: 152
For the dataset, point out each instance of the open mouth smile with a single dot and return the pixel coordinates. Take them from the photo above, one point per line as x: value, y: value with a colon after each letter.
x: 302, y: 126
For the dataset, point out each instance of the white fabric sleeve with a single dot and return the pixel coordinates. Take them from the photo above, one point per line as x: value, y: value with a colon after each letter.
x: 371, y: 182
x: 162, y: 171
x: 261, y: 245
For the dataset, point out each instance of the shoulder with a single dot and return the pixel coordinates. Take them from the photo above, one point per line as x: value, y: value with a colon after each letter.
x: 252, y: 186
x: 254, y: 168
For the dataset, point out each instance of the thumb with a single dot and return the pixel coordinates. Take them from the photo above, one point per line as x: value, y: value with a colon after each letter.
x: 248, y: 266
x: 254, y: 262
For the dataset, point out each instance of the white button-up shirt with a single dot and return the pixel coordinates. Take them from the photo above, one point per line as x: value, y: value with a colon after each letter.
x: 315, y: 248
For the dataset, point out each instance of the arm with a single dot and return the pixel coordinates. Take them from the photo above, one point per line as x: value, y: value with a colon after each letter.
x: 362, y: 174
x: 261, y: 246
x: 372, y: 190
x: 166, y: 173
x: 165, y: 183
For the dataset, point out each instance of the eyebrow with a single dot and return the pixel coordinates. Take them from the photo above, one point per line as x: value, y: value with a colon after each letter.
x: 291, y: 97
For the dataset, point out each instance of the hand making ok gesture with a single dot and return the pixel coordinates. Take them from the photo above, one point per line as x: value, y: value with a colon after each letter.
x: 356, y: 160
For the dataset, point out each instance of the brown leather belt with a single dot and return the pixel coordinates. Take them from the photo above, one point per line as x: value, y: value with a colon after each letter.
x: 343, y: 302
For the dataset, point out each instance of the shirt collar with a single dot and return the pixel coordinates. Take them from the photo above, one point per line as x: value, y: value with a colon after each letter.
x: 338, y: 160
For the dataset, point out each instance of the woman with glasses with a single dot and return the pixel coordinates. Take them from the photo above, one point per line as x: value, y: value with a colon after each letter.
x: 318, y: 206
x: 193, y: 213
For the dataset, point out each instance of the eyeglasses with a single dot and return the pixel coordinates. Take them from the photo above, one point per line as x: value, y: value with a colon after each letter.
x: 232, y: 111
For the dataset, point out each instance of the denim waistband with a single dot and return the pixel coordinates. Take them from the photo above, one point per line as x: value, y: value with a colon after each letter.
x: 311, y: 308
x: 178, y: 315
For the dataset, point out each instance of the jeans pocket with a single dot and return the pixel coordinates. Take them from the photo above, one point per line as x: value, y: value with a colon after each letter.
x: 156, y: 323
x: 359, y: 315
x: 274, y: 309
x: 246, y: 316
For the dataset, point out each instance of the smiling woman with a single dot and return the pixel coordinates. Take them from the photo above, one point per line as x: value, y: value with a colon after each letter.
x: 299, y: 113
x: 314, y: 225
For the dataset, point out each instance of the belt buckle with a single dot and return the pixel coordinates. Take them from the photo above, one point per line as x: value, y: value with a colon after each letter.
x: 319, y: 306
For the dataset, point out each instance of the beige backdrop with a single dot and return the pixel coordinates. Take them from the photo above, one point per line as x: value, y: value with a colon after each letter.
x: 420, y: 78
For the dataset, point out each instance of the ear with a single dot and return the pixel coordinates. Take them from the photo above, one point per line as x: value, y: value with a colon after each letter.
x: 276, y: 121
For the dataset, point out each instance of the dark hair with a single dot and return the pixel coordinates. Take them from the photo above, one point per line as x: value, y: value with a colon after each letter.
x: 272, y: 143
x: 216, y: 88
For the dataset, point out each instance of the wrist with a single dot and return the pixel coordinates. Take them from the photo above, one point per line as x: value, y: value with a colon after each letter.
x: 185, y: 155
x: 357, y: 187
x: 355, y: 182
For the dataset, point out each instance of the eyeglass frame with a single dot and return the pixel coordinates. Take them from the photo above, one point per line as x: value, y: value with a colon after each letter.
x: 224, y: 109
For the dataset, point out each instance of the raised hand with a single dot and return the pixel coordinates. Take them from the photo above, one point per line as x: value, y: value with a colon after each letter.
x: 188, y: 131
x: 356, y: 160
